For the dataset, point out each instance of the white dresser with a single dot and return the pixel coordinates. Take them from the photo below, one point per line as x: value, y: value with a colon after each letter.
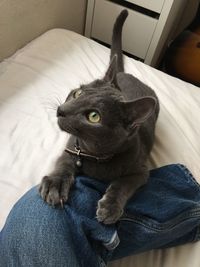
x: 146, y: 30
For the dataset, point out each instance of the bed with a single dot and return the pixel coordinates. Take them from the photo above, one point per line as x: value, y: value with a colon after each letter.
x: 39, y: 76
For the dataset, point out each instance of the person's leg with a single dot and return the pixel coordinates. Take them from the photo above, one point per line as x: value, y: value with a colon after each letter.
x: 38, y: 235
x: 164, y: 213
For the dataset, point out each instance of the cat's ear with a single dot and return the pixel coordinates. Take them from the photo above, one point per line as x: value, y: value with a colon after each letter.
x: 111, y: 72
x: 139, y: 110
x: 125, y: 80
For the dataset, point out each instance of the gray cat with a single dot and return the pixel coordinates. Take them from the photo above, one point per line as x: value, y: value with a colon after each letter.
x: 112, y: 123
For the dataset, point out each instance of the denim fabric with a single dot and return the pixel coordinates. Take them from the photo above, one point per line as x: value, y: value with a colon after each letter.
x: 163, y: 213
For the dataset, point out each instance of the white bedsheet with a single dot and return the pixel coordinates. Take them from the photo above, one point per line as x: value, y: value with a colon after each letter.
x: 39, y: 76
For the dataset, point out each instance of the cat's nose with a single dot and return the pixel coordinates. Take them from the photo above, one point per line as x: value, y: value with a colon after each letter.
x: 60, y: 112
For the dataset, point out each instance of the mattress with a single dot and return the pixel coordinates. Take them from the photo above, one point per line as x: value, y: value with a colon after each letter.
x: 38, y: 77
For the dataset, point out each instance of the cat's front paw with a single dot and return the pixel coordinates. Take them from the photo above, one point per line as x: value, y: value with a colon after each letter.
x: 108, y: 211
x: 54, y: 190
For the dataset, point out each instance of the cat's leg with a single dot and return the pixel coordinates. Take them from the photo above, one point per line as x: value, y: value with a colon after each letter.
x: 54, y: 188
x: 111, y: 205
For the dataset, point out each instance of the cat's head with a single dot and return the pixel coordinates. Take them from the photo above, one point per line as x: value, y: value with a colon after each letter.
x: 98, y: 114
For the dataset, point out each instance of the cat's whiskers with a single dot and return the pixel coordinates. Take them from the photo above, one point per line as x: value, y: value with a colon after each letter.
x: 50, y: 107
x: 59, y: 101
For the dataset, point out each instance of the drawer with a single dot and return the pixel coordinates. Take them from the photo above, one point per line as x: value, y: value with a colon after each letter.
x: 154, y: 5
x: 137, y: 32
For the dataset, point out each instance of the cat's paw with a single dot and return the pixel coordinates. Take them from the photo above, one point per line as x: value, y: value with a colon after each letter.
x: 108, y: 211
x: 54, y: 190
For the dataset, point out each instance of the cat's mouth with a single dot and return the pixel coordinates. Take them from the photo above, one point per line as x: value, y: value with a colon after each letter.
x: 64, y: 126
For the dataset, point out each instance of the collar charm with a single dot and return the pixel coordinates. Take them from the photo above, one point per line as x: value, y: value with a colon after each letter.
x: 78, y: 152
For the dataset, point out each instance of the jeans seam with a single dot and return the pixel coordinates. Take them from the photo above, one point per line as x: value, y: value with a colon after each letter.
x: 159, y: 227
x: 187, y: 172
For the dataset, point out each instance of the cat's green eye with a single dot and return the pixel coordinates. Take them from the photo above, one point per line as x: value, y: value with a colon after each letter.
x: 77, y: 93
x: 93, y: 117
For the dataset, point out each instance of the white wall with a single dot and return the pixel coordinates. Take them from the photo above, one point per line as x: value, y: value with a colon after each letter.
x: 23, y: 20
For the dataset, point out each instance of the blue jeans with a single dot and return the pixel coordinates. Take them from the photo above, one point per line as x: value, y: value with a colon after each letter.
x: 163, y: 213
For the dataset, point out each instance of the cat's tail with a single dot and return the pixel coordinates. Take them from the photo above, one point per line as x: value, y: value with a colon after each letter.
x: 116, y: 46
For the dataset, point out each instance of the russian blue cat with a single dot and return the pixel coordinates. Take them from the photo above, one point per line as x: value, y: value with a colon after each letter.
x: 112, y: 122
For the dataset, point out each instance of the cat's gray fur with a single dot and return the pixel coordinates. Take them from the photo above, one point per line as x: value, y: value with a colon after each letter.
x: 129, y: 110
